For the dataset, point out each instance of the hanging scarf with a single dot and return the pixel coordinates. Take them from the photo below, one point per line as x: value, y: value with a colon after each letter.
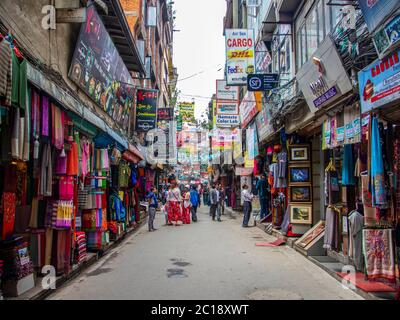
x: 58, y: 127
x: 377, y: 183
x: 348, y: 167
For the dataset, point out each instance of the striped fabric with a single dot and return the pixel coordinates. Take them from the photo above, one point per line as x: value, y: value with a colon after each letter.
x: 5, y: 71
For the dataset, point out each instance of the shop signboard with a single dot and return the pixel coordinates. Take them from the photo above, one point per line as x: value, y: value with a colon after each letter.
x: 146, y: 109
x: 262, y: 82
x: 323, y: 79
x: 227, y: 108
x: 186, y: 110
x: 99, y: 71
x: 263, y: 58
x: 225, y: 92
x: 375, y: 12
x: 264, y: 126
x: 380, y: 82
x: 240, y: 55
x: 226, y: 120
x: 251, y: 142
x: 387, y: 37
x: 248, y: 109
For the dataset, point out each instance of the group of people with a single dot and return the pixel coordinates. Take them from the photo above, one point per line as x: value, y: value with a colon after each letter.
x: 180, y: 207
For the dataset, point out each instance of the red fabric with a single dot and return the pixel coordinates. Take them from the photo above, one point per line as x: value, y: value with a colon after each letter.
x: 72, y: 160
x: 9, y: 204
x: 186, y: 215
x: 174, y: 212
x: 369, y: 286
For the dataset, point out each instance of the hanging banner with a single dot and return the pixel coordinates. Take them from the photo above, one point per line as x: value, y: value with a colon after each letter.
x: 146, y: 109
x: 186, y: 110
x: 99, y: 71
x: 264, y: 126
x: 380, y: 82
x: 248, y: 109
x: 375, y: 12
x: 240, y: 55
x: 225, y: 92
x: 263, y: 58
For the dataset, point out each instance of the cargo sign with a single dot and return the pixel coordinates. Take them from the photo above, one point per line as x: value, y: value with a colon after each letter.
x: 225, y: 92
x: 227, y: 120
x: 262, y: 82
x: 240, y: 55
x: 380, y: 82
x: 227, y: 108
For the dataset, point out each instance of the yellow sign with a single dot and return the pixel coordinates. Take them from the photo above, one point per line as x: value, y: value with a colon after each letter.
x: 240, y: 54
x: 248, y: 163
x: 186, y: 110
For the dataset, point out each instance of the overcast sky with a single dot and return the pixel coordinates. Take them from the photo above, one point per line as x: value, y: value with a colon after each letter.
x: 199, y: 47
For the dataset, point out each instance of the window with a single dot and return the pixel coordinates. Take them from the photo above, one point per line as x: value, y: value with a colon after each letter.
x: 321, y: 22
x: 312, y: 32
x: 303, y: 44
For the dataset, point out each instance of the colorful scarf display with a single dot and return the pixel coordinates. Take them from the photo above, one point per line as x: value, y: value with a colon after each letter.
x: 377, y: 185
x: 46, y: 173
x: 379, y: 254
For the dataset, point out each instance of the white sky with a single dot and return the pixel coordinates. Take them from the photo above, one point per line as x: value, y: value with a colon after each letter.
x: 199, y: 47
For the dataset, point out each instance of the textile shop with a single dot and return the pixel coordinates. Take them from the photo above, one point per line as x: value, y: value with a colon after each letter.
x: 67, y: 188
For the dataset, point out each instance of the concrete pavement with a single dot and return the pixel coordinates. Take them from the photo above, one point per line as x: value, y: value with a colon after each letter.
x: 206, y: 260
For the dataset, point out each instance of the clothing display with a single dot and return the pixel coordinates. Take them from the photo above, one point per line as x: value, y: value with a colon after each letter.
x: 379, y: 254
x: 356, y: 220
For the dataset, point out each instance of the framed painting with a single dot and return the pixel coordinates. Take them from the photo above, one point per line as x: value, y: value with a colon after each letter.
x: 299, y: 175
x: 300, y: 194
x: 301, y: 213
x: 299, y: 153
x: 311, y: 235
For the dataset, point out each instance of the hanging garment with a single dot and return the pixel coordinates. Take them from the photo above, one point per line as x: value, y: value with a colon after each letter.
x: 85, y: 157
x: 23, y: 84
x: 66, y: 188
x: 282, y: 165
x: 330, y: 238
x: 9, y: 206
x: 356, y: 220
x: 15, y: 79
x: 22, y: 218
x: 57, y: 127
x: 46, y: 172
x: 348, y: 178
x: 124, y: 174
x: 379, y: 254
x: 332, y: 190
x: 45, y: 117
x: 16, y: 138
x: 60, y: 164
x: 73, y: 160
x: 377, y: 185
x: 6, y: 72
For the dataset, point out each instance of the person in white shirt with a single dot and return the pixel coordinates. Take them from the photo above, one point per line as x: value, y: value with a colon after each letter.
x: 247, y: 205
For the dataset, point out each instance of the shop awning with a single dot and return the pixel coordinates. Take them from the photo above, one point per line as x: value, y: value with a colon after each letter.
x: 105, y: 140
x: 132, y: 154
x: 83, y: 125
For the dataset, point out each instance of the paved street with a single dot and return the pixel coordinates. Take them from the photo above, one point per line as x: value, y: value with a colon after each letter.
x: 207, y: 260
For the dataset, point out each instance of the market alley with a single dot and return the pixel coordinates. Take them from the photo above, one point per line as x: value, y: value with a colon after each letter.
x: 207, y: 260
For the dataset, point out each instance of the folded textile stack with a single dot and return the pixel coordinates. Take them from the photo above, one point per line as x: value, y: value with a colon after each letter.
x: 96, y: 240
x: 80, y: 247
x: 17, y: 262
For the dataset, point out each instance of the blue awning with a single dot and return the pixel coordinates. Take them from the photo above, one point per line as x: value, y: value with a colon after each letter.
x: 108, y: 139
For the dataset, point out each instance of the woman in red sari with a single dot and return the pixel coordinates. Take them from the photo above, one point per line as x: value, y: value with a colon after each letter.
x: 174, y: 201
x: 186, y: 206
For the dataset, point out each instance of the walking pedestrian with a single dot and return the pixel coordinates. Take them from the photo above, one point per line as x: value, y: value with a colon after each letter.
x: 186, y: 207
x: 174, y: 201
x: 213, y: 201
x: 247, y: 205
x: 195, y: 201
x: 153, y: 205
x: 206, y: 196
x: 262, y: 189
x: 221, y: 202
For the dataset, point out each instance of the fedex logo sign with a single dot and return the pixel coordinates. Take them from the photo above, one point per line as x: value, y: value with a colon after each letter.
x: 235, y: 70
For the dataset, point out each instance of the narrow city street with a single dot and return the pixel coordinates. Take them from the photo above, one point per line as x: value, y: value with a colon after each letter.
x: 208, y: 260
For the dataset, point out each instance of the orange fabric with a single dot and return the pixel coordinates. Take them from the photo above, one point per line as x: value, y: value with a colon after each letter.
x: 73, y: 161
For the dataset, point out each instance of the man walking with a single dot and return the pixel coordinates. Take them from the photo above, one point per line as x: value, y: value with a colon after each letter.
x: 153, y: 205
x: 195, y: 201
x: 262, y: 189
x: 213, y: 201
x: 247, y: 205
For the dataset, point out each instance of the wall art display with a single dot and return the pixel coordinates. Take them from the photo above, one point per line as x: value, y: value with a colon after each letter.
x: 299, y: 174
x: 299, y: 153
x: 301, y: 214
x: 311, y: 235
x: 300, y: 194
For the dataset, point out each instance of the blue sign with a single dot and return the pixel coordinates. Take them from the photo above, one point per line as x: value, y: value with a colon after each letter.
x: 262, y: 82
x: 380, y: 82
x: 332, y: 92
x: 375, y: 12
